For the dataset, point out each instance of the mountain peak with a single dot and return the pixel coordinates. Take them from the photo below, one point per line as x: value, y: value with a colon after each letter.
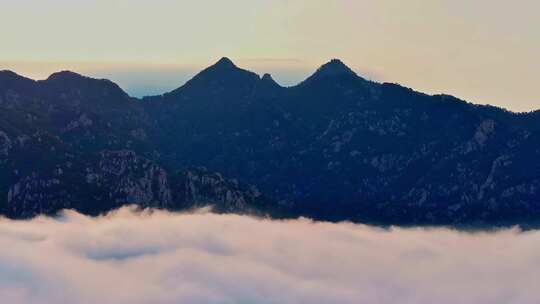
x: 267, y: 77
x: 64, y: 75
x: 225, y: 62
x: 222, y: 74
x: 223, y: 65
x: 269, y: 81
x: 267, y: 84
x: 334, y: 67
x: 67, y: 79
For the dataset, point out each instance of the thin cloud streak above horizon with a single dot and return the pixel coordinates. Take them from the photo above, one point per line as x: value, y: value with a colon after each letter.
x: 457, y: 47
x: 159, y: 257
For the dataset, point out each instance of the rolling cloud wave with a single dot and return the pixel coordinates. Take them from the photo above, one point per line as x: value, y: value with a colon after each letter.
x: 159, y: 257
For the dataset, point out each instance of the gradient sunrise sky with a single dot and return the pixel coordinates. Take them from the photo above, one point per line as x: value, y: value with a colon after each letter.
x: 485, y: 51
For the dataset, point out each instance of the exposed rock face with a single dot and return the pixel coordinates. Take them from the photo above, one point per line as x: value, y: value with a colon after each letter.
x: 5, y: 144
x: 82, y: 122
x: 199, y: 187
x: 115, y: 178
x: 118, y: 178
x: 132, y: 179
x: 484, y: 131
x: 35, y: 195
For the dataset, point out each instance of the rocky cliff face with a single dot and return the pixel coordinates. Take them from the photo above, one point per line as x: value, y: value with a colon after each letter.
x: 110, y: 180
x: 131, y: 179
x: 116, y: 178
x: 5, y: 145
x: 198, y: 187
x: 335, y: 147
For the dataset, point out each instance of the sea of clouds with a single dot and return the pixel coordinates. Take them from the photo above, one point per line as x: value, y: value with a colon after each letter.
x: 158, y: 257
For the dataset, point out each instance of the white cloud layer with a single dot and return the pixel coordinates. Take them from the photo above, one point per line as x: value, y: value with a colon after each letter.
x: 158, y: 257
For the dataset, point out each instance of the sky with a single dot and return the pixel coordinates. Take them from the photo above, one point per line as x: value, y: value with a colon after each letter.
x: 159, y: 257
x: 484, y: 51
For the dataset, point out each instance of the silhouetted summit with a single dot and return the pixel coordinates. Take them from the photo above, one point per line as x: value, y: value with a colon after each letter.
x: 67, y: 80
x: 334, y: 67
x: 66, y: 76
x: 268, y: 81
x: 222, y: 77
x: 225, y: 63
x: 334, y: 72
x: 267, y: 77
x: 222, y: 67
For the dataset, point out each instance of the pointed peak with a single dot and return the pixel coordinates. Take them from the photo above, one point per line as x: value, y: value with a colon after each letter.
x: 267, y: 82
x: 267, y: 77
x: 223, y: 73
x: 225, y: 62
x: 334, y: 67
x: 222, y: 65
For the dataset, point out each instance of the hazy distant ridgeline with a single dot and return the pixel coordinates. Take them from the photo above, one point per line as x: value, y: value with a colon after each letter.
x: 335, y: 147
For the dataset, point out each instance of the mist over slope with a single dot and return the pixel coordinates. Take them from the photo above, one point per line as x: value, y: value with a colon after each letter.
x: 131, y: 257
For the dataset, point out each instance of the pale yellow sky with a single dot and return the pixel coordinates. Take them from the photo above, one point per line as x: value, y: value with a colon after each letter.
x: 485, y: 51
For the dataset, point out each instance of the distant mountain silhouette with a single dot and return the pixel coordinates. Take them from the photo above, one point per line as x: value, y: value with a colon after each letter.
x: 334, y: 147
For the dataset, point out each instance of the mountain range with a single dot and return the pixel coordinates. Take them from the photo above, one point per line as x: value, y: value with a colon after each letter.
x: 335, y: 147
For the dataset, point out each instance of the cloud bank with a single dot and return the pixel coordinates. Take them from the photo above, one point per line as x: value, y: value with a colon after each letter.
x: 160, y: 257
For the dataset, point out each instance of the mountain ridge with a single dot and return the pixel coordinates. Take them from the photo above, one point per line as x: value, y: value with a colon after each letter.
x: 225, y: 61
x: 335, y: 147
